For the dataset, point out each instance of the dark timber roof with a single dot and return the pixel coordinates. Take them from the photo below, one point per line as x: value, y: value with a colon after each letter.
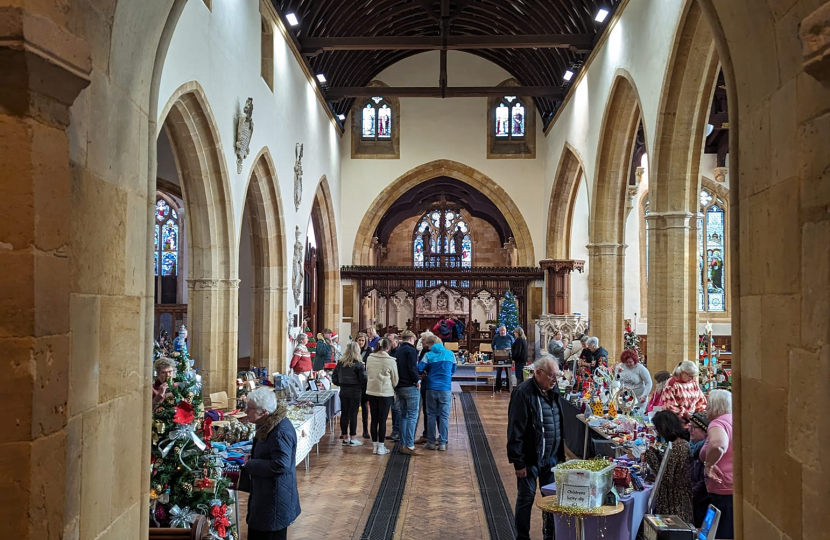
x: 501, y: 19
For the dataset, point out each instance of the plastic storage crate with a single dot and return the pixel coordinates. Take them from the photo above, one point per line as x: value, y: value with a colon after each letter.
x: 582, y: 488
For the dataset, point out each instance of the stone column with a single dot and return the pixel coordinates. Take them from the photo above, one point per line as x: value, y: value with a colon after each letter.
x: 672, y: 312
x: 267, y: 328
x: 212, y: 308
x: 605, y: 296
x: 44, y: 68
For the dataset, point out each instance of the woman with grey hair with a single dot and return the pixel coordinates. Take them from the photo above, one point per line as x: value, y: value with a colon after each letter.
x: 682, y: 394
x: 165, y: 369
x: 274, y: 502
x: 716, y: 455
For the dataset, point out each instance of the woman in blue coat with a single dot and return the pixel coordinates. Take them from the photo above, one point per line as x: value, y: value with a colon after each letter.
x: 274, y: 502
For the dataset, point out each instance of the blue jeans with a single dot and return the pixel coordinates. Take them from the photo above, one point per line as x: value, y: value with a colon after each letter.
x: 409, y: 399
x: 438, y: 405
x: 526, y: 488
x: 396, y: 416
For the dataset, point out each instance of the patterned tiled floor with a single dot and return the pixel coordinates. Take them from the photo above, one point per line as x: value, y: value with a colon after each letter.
x: 441, y: 500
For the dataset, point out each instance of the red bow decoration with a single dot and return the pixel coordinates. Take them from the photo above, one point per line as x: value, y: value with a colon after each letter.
x: 218, y: 511
x: 184, y: 413
x: 220, y: 521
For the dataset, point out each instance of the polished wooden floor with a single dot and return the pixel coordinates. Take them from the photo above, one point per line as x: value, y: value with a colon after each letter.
x: 441, y: 500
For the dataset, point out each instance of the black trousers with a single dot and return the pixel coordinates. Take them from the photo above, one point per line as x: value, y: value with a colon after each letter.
x: 380, y: 412
x: 498, y: 377
x: 350, y: 404
x: 520, y: 372
x: 364, y: 405
x: 268, y: 535
x: 726, y: 527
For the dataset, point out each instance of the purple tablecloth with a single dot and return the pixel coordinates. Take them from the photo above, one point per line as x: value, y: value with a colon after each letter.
x: 622, y: 526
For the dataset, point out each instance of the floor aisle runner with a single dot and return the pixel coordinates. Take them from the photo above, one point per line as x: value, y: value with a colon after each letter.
x: 497, y: 506
x: 384, y: 514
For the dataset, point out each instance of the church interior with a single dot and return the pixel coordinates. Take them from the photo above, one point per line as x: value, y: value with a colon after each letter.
x: 239, y: 187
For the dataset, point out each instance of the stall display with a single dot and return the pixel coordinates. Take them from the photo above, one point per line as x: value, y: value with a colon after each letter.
x: 584, y: 483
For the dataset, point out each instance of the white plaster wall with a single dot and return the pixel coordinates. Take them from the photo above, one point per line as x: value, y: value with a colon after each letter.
x: 454, y: 129
x: 221, y: 50
x: 579, y: 250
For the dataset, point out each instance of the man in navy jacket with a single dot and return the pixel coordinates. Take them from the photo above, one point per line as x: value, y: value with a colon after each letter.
x: 408, y: 390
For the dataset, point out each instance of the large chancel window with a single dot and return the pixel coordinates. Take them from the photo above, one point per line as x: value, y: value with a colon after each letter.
x: 712, y: 252
x: 166, y: 256
x: 376, y: 120
x: 442, y: 240
x: 510, y: 118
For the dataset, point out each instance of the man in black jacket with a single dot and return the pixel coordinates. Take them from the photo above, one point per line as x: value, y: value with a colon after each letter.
x: 535, y: 439
x: 408, y: 390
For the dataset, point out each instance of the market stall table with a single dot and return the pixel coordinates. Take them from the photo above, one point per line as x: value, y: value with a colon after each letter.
x: 330, y: 399
x: 309, y: 432
x: 595, y: 521
x: 619, y: 526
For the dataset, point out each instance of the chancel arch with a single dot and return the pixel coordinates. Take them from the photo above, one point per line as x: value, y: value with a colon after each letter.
x: 606, y: 247
x: 268, y: 287
x: 362, y: 251
x: 674, y: 191
x: 212, y: 269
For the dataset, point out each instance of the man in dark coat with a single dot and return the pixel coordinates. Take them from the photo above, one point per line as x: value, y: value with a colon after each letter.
x: 535, y: 440
x: 274, y: 503
x: 408, y: 390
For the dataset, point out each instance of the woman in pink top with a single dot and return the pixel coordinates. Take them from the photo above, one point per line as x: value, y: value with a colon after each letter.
x: 716, y: 455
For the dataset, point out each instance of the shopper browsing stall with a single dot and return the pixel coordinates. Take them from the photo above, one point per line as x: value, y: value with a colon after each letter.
x: 683, y: 395
x: 674, y: 495
x: 717, y: 458
x: 518, y: 352
x: 633, y: 375
x: 656, y: 400
x: 363, y: 342
x: 381, y: 379
x: 439, y: 365
x: 408, y: 390
x: 350, y: 376
x: 301, y: 361
x: 698, y: 429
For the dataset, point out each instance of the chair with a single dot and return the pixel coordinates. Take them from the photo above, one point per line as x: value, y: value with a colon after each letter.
x: 451, y: 346
x: 491, y: 378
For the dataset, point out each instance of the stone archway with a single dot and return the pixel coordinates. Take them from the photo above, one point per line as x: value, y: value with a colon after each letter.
x: 263, y: 204
x: 673, y: 191
x: 606, y: 249
x: 428, y: 171
x: 562, y: 199
x: 322, y: 217
x: 212, y: 263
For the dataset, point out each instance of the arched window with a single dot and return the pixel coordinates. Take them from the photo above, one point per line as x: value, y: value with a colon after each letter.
x: 442, y: 240
x: 376, y: 120
x: 167, y: 239
x: 510, y: 118
x: 712, y: 252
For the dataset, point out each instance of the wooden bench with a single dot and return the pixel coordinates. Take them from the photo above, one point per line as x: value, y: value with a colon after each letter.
x: 199, y: 530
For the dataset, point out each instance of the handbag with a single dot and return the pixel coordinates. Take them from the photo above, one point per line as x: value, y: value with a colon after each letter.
x: 501, y: 355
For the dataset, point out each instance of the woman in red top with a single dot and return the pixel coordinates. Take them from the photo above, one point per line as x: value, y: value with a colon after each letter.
x: 683, y: 395
x: 301, y: 361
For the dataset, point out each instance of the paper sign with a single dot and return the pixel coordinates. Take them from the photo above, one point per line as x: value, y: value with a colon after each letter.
x: 570, y: 495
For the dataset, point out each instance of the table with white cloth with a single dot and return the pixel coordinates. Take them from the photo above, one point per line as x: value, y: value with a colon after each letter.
x: 309, y: 432
x: 622, y: 526
x: 329, y: 399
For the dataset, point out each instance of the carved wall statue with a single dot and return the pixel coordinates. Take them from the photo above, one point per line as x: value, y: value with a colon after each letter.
x: 298, y: 176
x: 297, y: 278
x: 244, y: 132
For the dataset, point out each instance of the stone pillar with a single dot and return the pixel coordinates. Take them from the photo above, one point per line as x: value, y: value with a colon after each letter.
x: 212, y: 313
x: 558, y: 283
x: 672, y: 310
x: 267, y: 328
x: 605, y: 296
x: 44, y: 68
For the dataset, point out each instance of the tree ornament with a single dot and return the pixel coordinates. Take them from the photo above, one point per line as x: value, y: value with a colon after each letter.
x: 188, y: 488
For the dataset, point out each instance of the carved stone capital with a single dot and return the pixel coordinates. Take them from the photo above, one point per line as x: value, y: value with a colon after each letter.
x: 669, y: 220
x: 720, y: 174
x: 606, y: 249
x: 814, y: 32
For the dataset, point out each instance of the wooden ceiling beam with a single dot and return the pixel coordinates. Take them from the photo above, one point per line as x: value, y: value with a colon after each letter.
x: 336, y: 94
x: 579, y: 43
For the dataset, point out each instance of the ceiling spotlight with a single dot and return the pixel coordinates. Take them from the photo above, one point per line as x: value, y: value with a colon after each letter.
x: 321, y: 78
x: 341, y: 117
x: 568, y: 75
x: 601, y: 15
x: 292, y: 19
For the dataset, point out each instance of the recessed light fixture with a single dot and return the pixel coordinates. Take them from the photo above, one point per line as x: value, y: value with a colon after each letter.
x: 321, y: 78
x: 568, y: 75
x: 341, y: 117
x: 292, y: 19
x: 601, y: 15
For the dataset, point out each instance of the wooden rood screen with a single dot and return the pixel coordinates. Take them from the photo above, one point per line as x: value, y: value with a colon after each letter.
x: 491, y: 283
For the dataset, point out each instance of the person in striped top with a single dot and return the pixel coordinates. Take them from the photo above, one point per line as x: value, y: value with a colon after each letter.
x: 682, y: 394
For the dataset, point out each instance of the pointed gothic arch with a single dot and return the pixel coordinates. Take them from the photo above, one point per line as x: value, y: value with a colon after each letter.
x: 269, y: 287
x: 458, y: 171
x: 212, y: 267
x: 562, y: 199
x: 325, y: 227
x: 623, y: 114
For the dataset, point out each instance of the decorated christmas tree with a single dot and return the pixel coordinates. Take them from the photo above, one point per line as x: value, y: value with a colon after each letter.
x: 509, y: 312
x: 632, y: 341
x: 186, y: 477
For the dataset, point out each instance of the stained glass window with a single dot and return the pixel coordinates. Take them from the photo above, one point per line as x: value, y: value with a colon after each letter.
x: 712, y: 253
x: 377, y: 119
x: 441, y: 225
x: 368, y: 121
x: 510, y: 118
x: 166, y: 239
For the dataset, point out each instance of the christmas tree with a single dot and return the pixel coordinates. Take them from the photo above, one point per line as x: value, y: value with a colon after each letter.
x: 632, y: 341
x: 509, y: 313
x: 186, y: 477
